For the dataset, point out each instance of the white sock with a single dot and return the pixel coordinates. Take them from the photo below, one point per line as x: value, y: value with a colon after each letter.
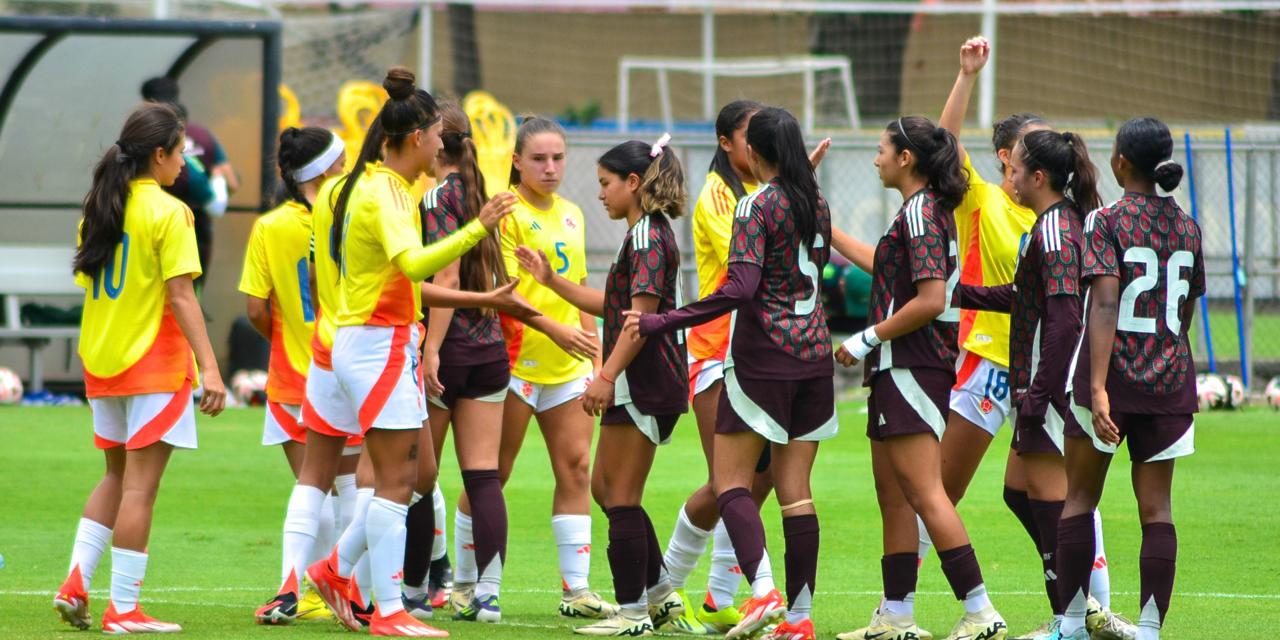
x: 128, y: 568
x: 573, y: 541
x: 725, y: 576
x: 363, y: 575
x: 926, y: 542
x: 439, y: 545
x: 300, y: 526
x: 905, y: 607
x: 353, y: 542
x: 490, y: 577
x: 345, y: 485
x: 1076, y: 609
x: 385, y: 530
x: 92, y: 540
x: 464, y: 550
x: 763, y: 584
x: 977, y: 599
x: 687, y: 544
x: 411, y: 591
x: 326, y: 532
x: 1100, y: 579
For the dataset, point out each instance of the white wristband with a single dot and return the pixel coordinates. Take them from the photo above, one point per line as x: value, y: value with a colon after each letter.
x: 860, y: 344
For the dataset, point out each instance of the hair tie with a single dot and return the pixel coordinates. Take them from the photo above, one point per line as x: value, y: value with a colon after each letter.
x: 1163, y: 163
x: 1071, y: 175
x: 316, y: 167
x: 656, y: 149
x: 122, y: 156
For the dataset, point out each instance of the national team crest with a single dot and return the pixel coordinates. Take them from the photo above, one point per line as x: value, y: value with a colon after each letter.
x: 527, y: 389
x: 570, y: 224
x: 986, y: 406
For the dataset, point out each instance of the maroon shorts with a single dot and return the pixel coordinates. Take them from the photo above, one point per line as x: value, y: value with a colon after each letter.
x: 779, y: 410
x: 1150, y: 437
x: 909, y: 401
x: 1044, y: 436
x: 657, y: 428
x: 473, y: 382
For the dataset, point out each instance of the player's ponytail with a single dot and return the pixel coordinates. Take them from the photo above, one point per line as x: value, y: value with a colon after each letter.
x: 149, y: 127
x: 937, y: 156
x: 1148, y: 145
x: 531, y: 126
x: 1064, y: 159
x: 407, y: 110
x: 661, y: 175
x: 731, y: 117
x: 300, y: 149
x: 775, y: 137
x: 482, y: 268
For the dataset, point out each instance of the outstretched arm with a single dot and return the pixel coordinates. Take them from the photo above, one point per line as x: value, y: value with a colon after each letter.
x: 974, y: 54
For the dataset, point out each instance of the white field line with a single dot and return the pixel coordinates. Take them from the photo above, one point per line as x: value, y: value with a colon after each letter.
x: 267, y: 590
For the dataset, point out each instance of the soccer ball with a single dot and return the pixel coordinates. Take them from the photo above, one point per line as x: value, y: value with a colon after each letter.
x: 1237, y: 393
x: 10, y: 387
x: 1211, y: 390
x: 1272, y: 393
x: 249, y: 386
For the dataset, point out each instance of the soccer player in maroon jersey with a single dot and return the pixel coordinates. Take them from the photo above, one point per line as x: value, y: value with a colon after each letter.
x: 465, y: 372
x: 643, y: 384
x: 1051, y: 174
x: 909, y: 348
x: 1135, y: 377
x: 778, y: 386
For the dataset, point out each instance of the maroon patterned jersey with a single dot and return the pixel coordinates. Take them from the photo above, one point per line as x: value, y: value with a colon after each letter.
x: 474, y: 337
x: 919, y: 245
x: 1153, y: 247
x: 1048, y: 265
x: 781, y: 333
x: 657, y: 380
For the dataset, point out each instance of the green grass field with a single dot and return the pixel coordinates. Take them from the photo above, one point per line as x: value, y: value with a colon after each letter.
x: 215, y: 547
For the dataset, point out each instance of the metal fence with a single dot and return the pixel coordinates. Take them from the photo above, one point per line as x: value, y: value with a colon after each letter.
x: 863, y: 207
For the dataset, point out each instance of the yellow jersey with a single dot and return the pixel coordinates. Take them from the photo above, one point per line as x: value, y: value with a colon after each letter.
x: 561, y: 234
x: 990, y: 228
x: 380, y: 223
x: 327, y: 272
x: 712, y: 229
x: 130, y: 342
x: 276, y: 268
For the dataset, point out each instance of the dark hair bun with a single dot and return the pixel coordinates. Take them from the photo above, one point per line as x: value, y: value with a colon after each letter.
x: 1168, y: 175
x: 399, y: 83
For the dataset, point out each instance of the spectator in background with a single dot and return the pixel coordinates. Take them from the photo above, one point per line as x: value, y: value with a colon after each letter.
x: 207, y: 180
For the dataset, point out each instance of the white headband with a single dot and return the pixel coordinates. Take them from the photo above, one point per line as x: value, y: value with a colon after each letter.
x: 656, y: 149
x: 1163, y: 163
x: 320, y: 163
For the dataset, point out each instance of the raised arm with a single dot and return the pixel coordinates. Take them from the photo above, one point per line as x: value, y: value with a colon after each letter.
x: 856, y: 251
x: 974, y: 54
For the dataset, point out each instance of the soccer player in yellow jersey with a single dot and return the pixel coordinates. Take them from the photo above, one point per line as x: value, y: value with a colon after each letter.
x: 552, y: 360
x: 376, y: 235
x: 276, y: 281
x: 136, y: 258
x: 990, y: 228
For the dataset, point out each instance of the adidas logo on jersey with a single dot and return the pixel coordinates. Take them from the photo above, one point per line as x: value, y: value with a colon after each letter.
x: 534, y: 226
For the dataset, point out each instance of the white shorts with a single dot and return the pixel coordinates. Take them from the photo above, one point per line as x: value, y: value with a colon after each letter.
x: 282, y: 425
x: 138, y: 421
x: 377, y: 370
x: 545, y: 397
x: 705, y: 373
x: 981, y: 393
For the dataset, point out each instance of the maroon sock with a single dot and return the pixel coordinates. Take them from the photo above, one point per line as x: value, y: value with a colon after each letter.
x: 1047, y: 515
x: 801, y: 558
x: 488, y: 516
x: 742, y: 520
x: 1020, y: 504
x: 1157, y: 563
x: 899, y: 571
x: 628, y: 546
x: 654, y: 566
x: 1075, y: 559
x: 960, y: 565
x: 419, y: 534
